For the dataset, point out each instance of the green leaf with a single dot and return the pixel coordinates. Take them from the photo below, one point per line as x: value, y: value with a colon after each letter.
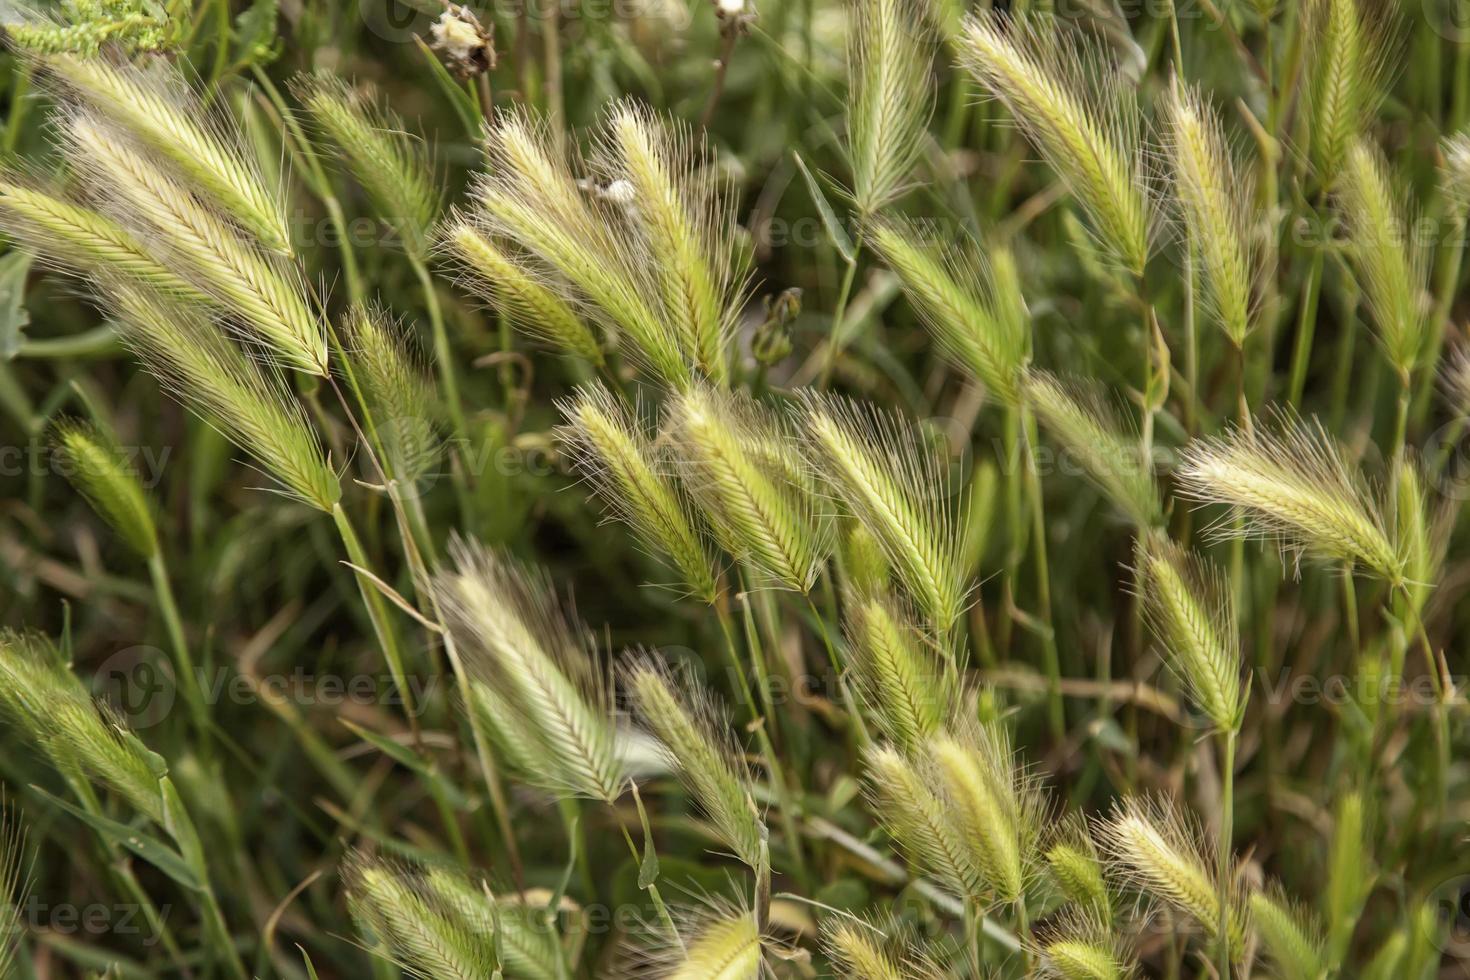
x: 839, y: 238
x: 410, y: 759
x: 648, y: 868
x: 256, y: 39
x: 147, y: 847
x: 14, y: 267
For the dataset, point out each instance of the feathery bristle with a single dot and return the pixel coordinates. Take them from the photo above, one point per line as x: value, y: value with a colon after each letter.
x: 1078, y: 946
x: 1289, y: 938
x: 160, y: 113
x: 1161, y: 852
x: 1191, y: 610
x: 726, y: 947
x: 1387, y: 260
x: 1454, y: 175
x: 1077, y: 868
x: 1294, y: 485
x: 264, y: 293
x: 1345, y: 76
x: 726, y: 448
x: 879, y: 467
x: 989, y: 802
x: 919, y: 821
x: 980, y: 323
x: 404, y: 403
x: 530, y: 197
x: 899, y: 681
x: 79, y: 241
x: 508, y: 283
x: 96, y: 466
x: 248, y: 403
x: 695, y: 737
x: 877, y: 950
x: 521, y: 645
x: 1214, y: 195
x: 686, y: 224
x: 889, y: 98
x: 612, y: 451
x: 48, y: 702
x: 1090, y: 431
x: 390, y: 164
x: 1088, y: 131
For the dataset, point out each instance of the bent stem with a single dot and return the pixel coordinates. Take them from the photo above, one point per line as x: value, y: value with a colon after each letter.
x: 1052, y: 660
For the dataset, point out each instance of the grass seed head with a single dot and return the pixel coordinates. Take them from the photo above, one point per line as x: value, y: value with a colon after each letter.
x: 1191, y: 610
x: 1295, y: 485
x: 157, y: 109
x: 1289, y: 937
x: 610, y: 448
x: 392, y: 165
x: 99, y: 469
x: 889, y: 100
x: 520, y: 644
x: 404, y: 404
x: 920, y: 822
x: 1349, y: 51
x: 1064, y: 95
x: 1075, y: 865
x: 902, y: 686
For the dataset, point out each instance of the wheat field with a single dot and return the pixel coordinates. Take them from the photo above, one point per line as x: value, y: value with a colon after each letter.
x: 734, y: 490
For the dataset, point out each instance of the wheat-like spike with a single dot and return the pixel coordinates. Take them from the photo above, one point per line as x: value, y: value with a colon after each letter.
x: 404, y: 402
x: 390, y: 164
x: 78, y: 240
x: 160, y: 113
x: 530, y: 197
x: 1295, y: 485
x: 1161, y: 851
x: 987, y: 800
x: 918, y: 820
x: 520, y: 644
x: 1192, y: 611
x: 1090, y: 431
x: 1075, y: 865
x: 1349, y: 870
x: 262, y: 292
x: 877, y: 950
x: 1090, y: 136
x: 528, y: 941
x: 1289, y: 937
x: 724, y: 947
x: 1215, y: 197
x: 612, y: 451
x: 517, y: 291
x: 1345, y: 75
x: 900, y: 683
x: 43, y: 698
x: 96, y: 467
x: 725, y: 448
x: 695, y: 736
x: 980, y: 330
x: 1386, y: 259
x: 686, y: 221
x: 408, y: 919
x: 881, y: 469
x: 1079, y: 946
x: 246, y: 402
x: 889, y: 98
